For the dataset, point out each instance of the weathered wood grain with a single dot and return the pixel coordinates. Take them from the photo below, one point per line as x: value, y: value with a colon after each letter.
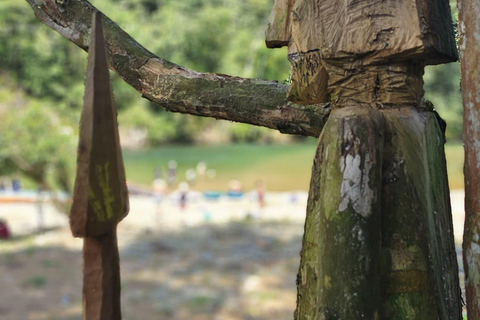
x: 419, y: 267
x: 100, y: 198
x: 470, y: 61
x: 369, y: 32
x: 101, y: 278
x: 278, y: 34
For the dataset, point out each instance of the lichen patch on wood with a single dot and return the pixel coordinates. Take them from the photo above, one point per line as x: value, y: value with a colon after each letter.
x: 344, y: 238
x: 355, y: 189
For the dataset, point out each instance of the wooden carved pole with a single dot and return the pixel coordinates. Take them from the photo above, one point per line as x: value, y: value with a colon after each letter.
x: 378, y: 240
x: 100, y: 198
x: 469, y: 52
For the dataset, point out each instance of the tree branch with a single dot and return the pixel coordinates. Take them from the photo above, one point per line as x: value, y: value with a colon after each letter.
x: 178, y: 89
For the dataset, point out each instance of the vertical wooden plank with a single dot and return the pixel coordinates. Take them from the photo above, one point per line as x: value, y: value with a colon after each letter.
x: 469, y: 27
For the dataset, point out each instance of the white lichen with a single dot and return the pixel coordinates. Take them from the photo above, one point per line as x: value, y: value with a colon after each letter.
x: 355, y: 189
x: 473, y: 117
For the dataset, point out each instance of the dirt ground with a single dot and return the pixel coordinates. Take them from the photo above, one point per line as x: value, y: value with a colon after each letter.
x: 221, y: 260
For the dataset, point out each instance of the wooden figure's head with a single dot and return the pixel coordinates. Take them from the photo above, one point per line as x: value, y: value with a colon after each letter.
x: 376, y: 32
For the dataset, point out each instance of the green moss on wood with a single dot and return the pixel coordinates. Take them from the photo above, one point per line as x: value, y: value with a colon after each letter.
x: 413, y: 254
x: 347, y: 242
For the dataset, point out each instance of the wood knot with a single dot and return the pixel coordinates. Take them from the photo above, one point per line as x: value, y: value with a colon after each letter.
x: 61, y: 4
x: 56, y: 9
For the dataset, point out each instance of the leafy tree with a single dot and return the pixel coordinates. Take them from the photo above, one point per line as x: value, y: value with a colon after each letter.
x: 442, y: 87
x: 34, y: 139
x: 207, y: 35
x: 44, y: 66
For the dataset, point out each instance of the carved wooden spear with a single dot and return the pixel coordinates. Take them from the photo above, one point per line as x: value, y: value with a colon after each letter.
x: 100, y: 197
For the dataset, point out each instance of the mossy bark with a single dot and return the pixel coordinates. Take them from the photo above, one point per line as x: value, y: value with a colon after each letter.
x: 338, y: 276
x: 469, y: 27
x: 378, y: 238
x: 419, y: 267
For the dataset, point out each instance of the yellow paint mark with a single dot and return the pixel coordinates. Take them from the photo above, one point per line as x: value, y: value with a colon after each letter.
x: 96, y: 205
x: 104, y: 183
x: 103, y: 177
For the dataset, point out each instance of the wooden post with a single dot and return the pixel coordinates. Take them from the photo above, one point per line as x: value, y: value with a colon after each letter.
x: 469, y: 53
x: 100, y: 197
x: 378, y: 240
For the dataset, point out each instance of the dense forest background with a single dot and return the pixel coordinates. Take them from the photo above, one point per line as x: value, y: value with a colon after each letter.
x: 42, y: 78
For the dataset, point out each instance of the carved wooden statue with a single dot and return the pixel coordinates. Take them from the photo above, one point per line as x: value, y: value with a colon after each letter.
x: 378, y: 240
x: 100, y: 197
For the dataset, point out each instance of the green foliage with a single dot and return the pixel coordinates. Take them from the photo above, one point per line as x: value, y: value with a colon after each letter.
x: 442, y: 87
x: 35, y: 139
x: 41, y: 82
x: 159, y: 129
x: 209, y: 36
x: 241, y: 132
x: 40, y: 61
x: 42, y: 76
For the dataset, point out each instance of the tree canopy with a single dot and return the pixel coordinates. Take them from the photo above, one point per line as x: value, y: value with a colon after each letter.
x: 208, y: 36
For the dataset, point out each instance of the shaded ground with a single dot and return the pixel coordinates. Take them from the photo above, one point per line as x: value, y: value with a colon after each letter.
x: 175, y: 265
x: 240, y: 270
x: 212, y: 261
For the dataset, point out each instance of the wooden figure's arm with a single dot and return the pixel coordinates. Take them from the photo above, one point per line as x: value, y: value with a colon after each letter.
x: 178, y: 89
